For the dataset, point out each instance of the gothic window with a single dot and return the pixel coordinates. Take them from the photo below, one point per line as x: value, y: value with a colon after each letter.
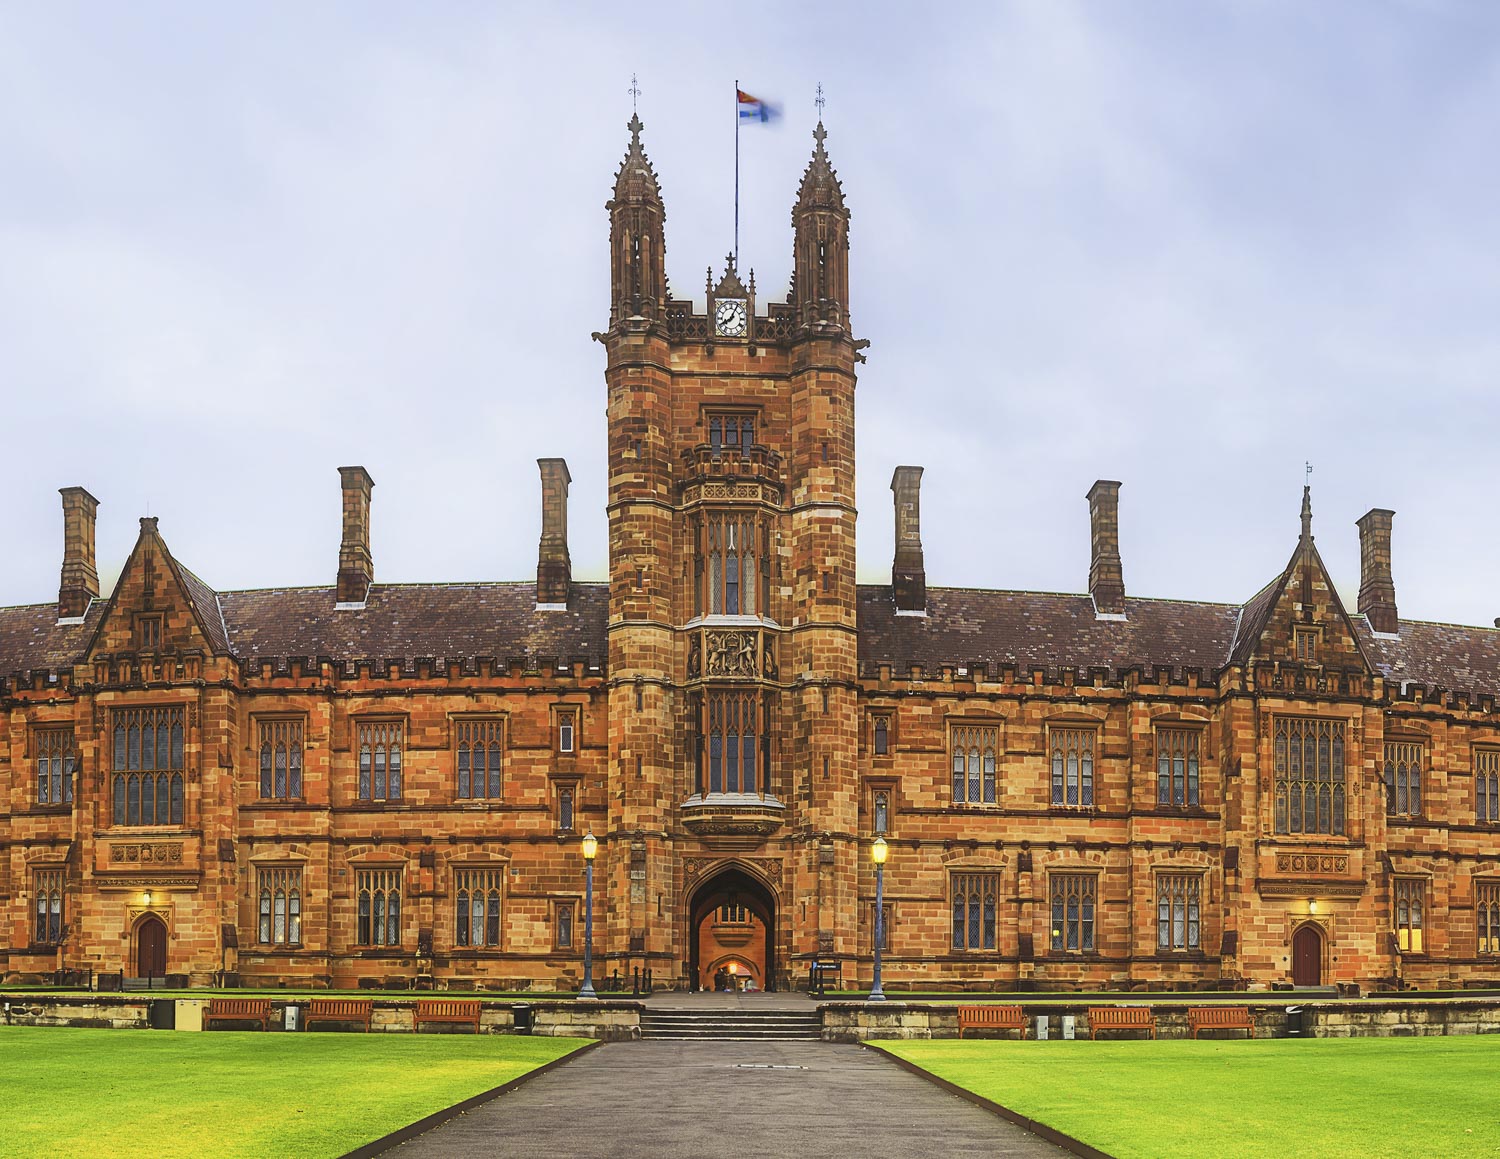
x: 1073, y: 912
x: 1410, y: 896
x: 1306, y: 641
x: 734, y: 430
x: 973, y: 764
x: 1177, y: 766
x: 565, y: 722
x: 281, y: 907
x: 56, y: 761
x: 379, y: 895
x: 882, y: 811
x: 733, y: 914
x: 1487, y: 786
x: 479, y: 745
x: 565, y: 809
x: 49, y: 886
x: 732, y: 564
x: 733, y: 737
x: 148, y: 633
x: 380, y: 760
x: 477, y: 907
x: 1177, y: 925
x: 562, y: 936
x: 882, y: 735
x: 148, y: 766
x: 976, y: 899
x: 1309, y: 776
x: 280, y: 760
x: 1487, y: 907
x: 1403, y: 779
x: 1073, y: 767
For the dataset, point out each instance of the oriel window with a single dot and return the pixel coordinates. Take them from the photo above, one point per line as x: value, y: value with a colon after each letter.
x: 734, y: 742
x: 732, y: 564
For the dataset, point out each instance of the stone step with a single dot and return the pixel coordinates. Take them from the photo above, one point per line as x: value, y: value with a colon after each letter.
x: 694, y: 1024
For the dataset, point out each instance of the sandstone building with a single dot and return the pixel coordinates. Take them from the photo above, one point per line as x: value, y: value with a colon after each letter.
x: 367, y: 781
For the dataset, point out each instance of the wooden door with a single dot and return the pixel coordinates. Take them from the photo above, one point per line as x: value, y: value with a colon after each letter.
x: 1307, y: 957
x: 151, y: 948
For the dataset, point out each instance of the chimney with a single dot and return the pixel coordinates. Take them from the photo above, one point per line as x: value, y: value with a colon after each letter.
x: 908, y: 575
x: 1106, y: 579
x: 356, y: 568
x: 1377, y: 591
x: 80, y: 579
x: 554, y: 569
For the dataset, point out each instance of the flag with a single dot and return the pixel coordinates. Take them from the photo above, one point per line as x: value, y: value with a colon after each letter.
x: 755, y: 109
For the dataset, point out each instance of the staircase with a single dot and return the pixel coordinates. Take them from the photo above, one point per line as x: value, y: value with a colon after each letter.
x: 734, y: 1024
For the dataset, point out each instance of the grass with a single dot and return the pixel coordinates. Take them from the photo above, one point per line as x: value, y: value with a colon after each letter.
x: 68, y: 1091
x: 1367, y: 1097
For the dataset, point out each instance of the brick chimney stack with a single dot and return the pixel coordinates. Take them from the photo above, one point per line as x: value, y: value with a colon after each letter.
x: 554, y: 567
x: 80, y: 578
x: 356, y: 568
x: 1106, y: 578
x: 1377, y: 591
x: 908, y: 574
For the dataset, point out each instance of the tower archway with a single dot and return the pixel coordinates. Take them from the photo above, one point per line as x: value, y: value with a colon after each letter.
x: 732, y: 931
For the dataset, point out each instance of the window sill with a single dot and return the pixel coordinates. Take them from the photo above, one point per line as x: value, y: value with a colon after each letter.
x: 1192, y: 955
x: 275, y: 803
x: 1072, y: 955
x: 39, y: 810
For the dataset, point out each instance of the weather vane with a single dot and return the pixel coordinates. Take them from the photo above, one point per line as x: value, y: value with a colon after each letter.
x: 634, y: 90
x: 819, y: 101
x: 1306, y: 474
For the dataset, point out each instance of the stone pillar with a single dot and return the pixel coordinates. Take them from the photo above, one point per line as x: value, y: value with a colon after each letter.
x: 1377, y: 591
x: 80, y: 578
x: 1106, y: 577
x: 356, y: 568
x: 908, y: 574
x: 554, y: 568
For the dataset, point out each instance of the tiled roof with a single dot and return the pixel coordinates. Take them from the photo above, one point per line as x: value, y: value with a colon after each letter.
x: 31, y: 639
x: 1448, y: 656
x: 405, y: 621
x: 206, y: 604
x: 1041, y: 629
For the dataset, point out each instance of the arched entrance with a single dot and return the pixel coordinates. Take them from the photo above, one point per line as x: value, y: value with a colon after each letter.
x: 1307, y: 956
x: 732, y: 932
x: 150, y: 947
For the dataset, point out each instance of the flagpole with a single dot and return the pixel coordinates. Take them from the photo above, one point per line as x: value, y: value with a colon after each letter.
x: 736, y: 172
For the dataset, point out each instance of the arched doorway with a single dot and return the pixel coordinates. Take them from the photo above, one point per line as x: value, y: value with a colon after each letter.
x: 150, y: 947
x: 732, y: 932
x: 1307, y: 956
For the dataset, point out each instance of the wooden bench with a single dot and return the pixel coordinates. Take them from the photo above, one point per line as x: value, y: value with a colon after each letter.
x: 1121, y: 1018
x: 340, y: 1010
x: 458, y: 1013
x: 239, y: 1010
x: 991, y: 1018
x: 1202, y: 1018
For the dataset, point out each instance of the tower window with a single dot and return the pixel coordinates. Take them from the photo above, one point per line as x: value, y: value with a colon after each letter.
x: 731, y: 429
x: 735, y: 736
x: 732, y: 567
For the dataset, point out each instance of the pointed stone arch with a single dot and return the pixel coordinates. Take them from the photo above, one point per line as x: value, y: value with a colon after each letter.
x: 733, y: 882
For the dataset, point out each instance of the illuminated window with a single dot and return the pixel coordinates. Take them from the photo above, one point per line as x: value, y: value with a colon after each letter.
x: 976, y: 899
x: 1487, y: 907
x: 379, y: 894
x: 1487, y: 786
x: 882, y: 800
x: 50, y: 889
x: 1403, y: 779
x: 1410, y: 893
x: 281, y: 907
x: 56, y: 761
x: 479, y: 745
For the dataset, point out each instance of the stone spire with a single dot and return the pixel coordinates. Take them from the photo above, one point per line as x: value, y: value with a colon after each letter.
x: 820, y: 255
x: 637, y: 238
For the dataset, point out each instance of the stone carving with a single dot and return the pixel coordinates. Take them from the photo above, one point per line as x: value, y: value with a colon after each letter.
x: 156, y: 853
x: 695, y: 658
x: 1311, y: 863
x: 733, y: 654
x: 768, y: 659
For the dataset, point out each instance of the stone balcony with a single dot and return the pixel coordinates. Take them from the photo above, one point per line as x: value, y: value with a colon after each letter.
x: 732, y: 820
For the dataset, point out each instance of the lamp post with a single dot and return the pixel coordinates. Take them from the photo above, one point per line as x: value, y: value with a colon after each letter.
x: 590, y: 848
x: 877, y: 855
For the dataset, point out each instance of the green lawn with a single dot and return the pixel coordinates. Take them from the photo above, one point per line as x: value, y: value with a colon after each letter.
x: 1366, y: 1097
x: 67, y: 1091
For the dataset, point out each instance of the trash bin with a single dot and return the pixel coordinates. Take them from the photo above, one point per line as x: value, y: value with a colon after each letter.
x: 161, y: 1014
x: 521, y: 1012
x: 1294, y: 1024
x: 291, y: 1017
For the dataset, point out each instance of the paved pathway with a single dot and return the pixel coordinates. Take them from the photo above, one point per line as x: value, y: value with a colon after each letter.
x: 704, y: 1100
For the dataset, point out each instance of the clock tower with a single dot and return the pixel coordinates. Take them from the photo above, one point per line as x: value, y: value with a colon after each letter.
x: 732, y: 652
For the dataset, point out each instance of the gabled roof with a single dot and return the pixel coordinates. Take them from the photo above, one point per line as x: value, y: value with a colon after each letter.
x: 1448, y: 656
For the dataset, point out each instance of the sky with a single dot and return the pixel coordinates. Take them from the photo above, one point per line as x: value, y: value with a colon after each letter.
x: 1191, y: 246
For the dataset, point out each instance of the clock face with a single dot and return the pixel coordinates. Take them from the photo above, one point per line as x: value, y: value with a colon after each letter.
x: 730, y: 318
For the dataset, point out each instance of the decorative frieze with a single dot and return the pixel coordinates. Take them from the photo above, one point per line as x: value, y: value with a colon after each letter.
x: 145, y: 853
